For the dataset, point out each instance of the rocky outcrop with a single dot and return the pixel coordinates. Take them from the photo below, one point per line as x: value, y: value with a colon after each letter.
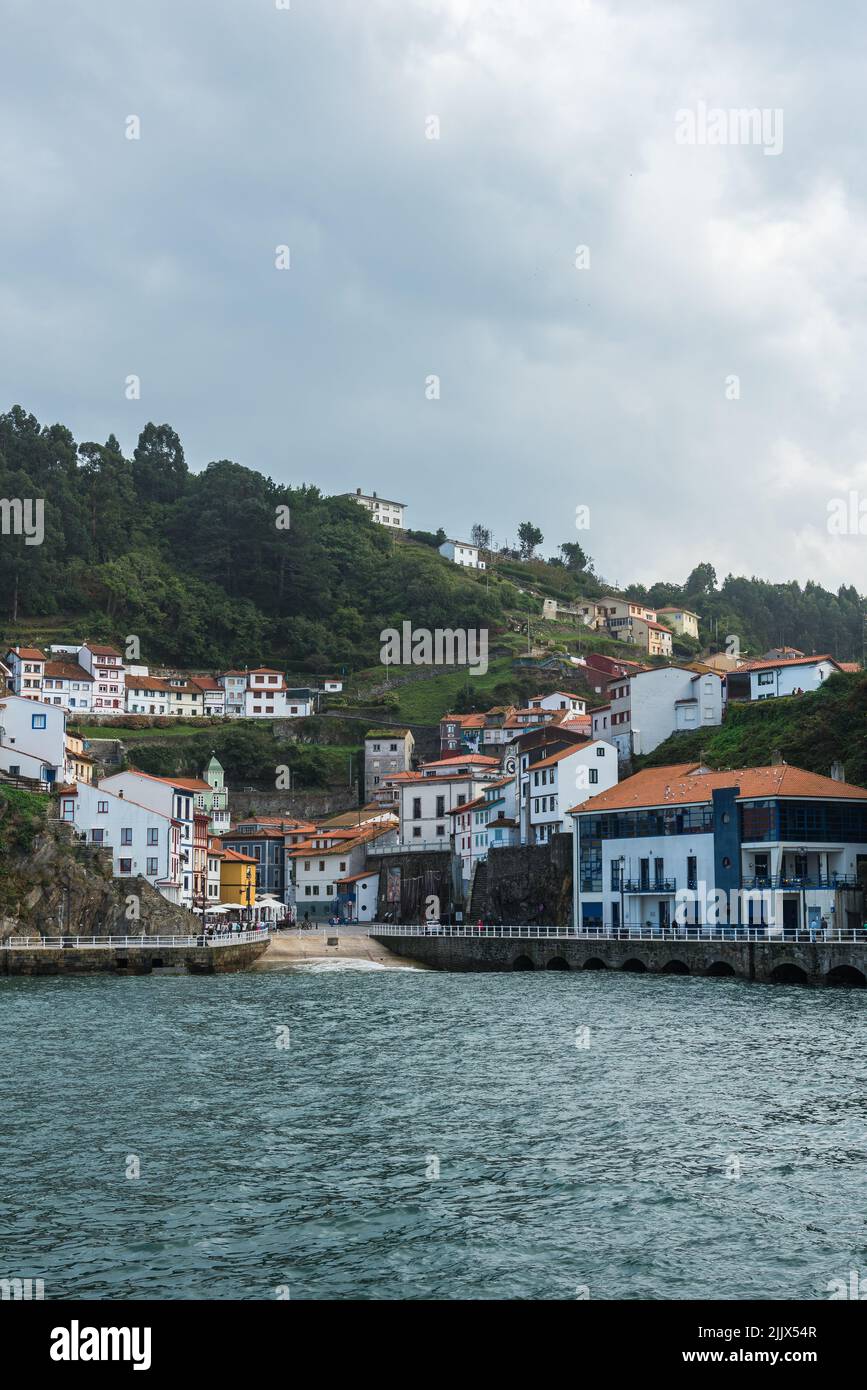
x: 52, y: 884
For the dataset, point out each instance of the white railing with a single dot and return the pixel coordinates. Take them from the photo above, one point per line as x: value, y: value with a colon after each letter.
x: 760, y: 935
x: 148, y: 943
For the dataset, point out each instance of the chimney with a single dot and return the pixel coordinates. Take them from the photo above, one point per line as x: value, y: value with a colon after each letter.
x: 374, y: 494
x: 838, y: 771
x: 777, y: 759
x: 358, y: 492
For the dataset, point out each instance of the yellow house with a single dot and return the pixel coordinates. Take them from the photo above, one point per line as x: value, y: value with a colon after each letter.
x: 79, y: 765
x: 237, y: 878
x: 682, y: 620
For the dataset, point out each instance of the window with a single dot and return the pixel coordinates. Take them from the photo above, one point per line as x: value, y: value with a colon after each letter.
x: 322, y: 866
x: 152, y: 866
x: 766, y: 678
x: 126, y: 835
x: 97, y: 836
x: 441, y: 807
x: 593, y: 775
x: 37, y: 721
x: 153, y: 835
x: 125, y: 866
x: 600, y: 752
x: 307, y: 865
x: 416, y: 808
x: 440, y: 830
x: 416, y: 834
x: 102, y: 808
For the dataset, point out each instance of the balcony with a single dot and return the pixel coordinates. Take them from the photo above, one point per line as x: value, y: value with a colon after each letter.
x: 794, y: 883
x: 649, y: 885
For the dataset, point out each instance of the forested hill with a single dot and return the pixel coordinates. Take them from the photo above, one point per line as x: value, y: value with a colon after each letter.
x: 201, y: 567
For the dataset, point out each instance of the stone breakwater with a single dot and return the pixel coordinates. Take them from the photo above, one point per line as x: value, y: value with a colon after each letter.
x: 140, y: 959
x: 763, y: 962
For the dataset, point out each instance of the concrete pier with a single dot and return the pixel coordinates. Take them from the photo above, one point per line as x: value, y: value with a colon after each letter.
x: 132, y: 956
x: 765, y: 962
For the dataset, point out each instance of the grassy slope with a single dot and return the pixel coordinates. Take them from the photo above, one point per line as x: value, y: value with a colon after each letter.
x: 809, y: 731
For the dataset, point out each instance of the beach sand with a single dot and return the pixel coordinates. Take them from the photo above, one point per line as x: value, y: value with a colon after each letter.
x: 294, y: 948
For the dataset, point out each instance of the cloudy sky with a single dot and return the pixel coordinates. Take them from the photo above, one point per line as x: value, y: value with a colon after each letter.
x: 699, y: 385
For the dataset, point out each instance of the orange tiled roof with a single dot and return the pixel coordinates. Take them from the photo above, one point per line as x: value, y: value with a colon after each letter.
x: 787, y: 661
x: 683, y: 784
x: 67, y: 671
x: 27, y: 653
x: 558, y: 757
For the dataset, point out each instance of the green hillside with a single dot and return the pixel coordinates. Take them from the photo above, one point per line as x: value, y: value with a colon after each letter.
x: 810, y: 731
x: 227, y: 567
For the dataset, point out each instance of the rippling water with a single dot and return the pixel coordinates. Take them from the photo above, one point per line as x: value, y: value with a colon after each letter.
x: 305, y: 1168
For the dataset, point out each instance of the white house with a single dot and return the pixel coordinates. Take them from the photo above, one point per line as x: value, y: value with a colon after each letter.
x: 235, y: 685
x: 33, y: 739
x: 462, y: 553
x: 559, y: 699
x: 265, y: 697
x: 66, y: 683
x: 357, y: 896
x: 174, y: 798
x: 563, y: 779
x: 147, y: 695
x: 323, y: 861
x: 332, y: 685
x: 382, y: 511
x: 300, y: 702
x: 105, y: 665
x: 683, y: 620
x: 26, y: 667
x: 785, y: 676
x: 213, y: 695
x: 672, y: 699
x: 144, y: 843
x: 426, y: 801
x: 670, y: 832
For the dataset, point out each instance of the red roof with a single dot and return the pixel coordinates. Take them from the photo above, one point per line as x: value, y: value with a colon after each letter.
x: 685, y: 784
x: 27, y: 653
x: 786, y: 661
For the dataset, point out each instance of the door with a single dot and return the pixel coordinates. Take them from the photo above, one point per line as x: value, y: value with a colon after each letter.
x: 790, y: 916
x: 665, y: 914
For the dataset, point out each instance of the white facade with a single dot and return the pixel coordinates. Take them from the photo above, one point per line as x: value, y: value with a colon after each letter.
x: 146, y: 695
x: 462, y: 553
x: 144, y: 843
x: 563, y: 780
x: 425, y: 803
x: 559, y: 699
x: 794, y: 838
x: 26, y: 667
x: 66, y: 683
x: 671, y: 699
x: 174, y: 799
x: 789, y: 678
x: 235, y: 685
x: 364, y: 888
x: 684, y: 622
x: 382, y: 511
x: 105, y: 665
x: 33, y: 739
